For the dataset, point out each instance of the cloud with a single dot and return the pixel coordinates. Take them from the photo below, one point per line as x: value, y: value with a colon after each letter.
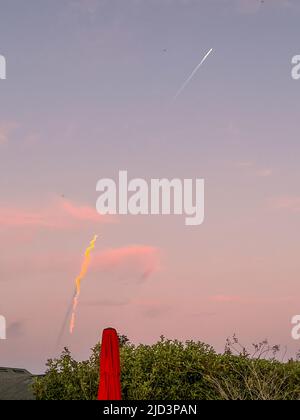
x: 289, y: 203
x: 11, y: 217
x: 245, y: 164
x: 264, y: 173
x: 6, y: 128
x: 131, y: 261
x: 84, y: 213
x: 145, y: 259
x: 251, y: 168
x: 61, y: 214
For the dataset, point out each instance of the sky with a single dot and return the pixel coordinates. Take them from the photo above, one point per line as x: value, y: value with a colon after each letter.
x: 90, y: 91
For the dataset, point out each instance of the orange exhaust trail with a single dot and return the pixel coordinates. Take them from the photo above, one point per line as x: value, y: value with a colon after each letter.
x: 84, y: 269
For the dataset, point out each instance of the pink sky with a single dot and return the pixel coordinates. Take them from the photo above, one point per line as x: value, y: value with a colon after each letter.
x: 215, y: 289
x: 89, y: 92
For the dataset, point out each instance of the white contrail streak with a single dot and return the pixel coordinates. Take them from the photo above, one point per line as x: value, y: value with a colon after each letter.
x: 192, y: 75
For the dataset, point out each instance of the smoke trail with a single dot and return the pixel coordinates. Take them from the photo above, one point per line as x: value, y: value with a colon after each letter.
x: 192, y: 75
x: 66, y: 318
x: 84, y: 269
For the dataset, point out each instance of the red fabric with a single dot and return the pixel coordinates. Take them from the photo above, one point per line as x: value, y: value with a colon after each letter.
x: 110, y: 383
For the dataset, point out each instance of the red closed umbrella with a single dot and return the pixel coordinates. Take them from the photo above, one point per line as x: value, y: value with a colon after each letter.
x: 110, y: 383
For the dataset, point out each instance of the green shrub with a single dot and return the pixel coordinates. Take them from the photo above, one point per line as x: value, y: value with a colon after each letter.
x: 172, y: 370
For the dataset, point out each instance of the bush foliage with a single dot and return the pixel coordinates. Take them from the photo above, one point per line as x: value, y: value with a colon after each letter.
x: 172, y: 370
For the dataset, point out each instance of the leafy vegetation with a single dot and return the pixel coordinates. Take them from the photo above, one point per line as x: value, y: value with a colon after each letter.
x: 172, y: 370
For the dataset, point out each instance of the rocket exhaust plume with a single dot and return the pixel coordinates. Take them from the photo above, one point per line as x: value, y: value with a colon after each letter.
x: 84, y: 269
